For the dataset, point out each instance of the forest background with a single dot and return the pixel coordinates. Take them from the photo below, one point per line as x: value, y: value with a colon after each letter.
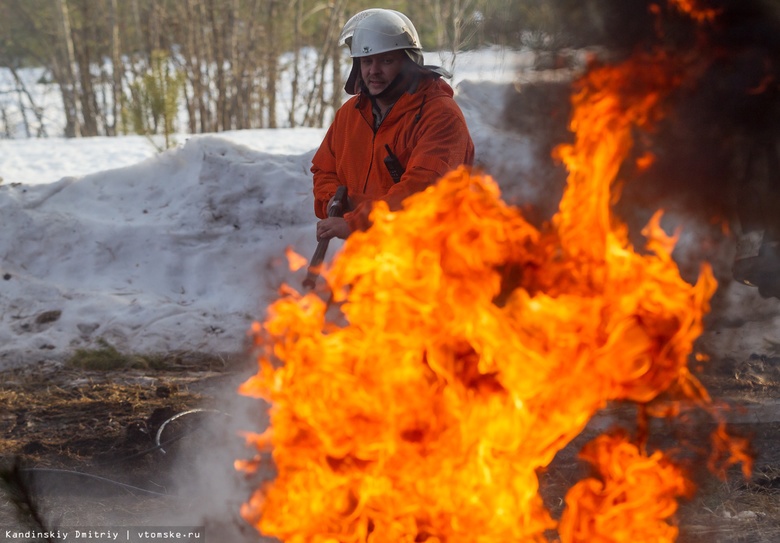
x: 196, y: 66
x: 121, y: 67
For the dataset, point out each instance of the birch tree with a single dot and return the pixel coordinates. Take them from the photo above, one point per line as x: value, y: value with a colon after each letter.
x: 63, y: 71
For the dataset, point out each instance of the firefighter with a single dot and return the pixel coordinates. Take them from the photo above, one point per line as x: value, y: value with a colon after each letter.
x: 399, y: 132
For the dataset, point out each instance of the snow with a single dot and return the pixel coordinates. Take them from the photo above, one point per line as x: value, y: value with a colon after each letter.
x: 106, y: 239
x: 177, y: 252
x: 46, y: 160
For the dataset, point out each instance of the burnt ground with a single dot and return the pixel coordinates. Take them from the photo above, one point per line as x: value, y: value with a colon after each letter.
x: 725, y: 509
x: 66, y: 427
x: 86, y: 445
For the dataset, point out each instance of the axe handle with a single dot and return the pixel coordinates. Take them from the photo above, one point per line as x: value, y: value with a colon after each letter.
x: 316, y: 261
x: 336, y: 209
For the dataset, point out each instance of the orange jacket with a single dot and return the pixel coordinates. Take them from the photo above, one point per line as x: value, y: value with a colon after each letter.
x: 425, y: 130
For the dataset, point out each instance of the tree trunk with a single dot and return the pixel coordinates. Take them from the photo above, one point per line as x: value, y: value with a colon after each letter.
x: 187, y: 56
x: 84, y: 58
x: 331, y: 44
x: 236, y: 106
x: 117, y: 68
x: 197, y: 65
x: 217, y: 45
x: 153, y: 32
x: 22, y: 90
x: 64, y: 73
x: 271, y: 63
x: 336, y: 79
x: 297, y: 44
x: 204, y: 51
x: 248, y: 65
x: 22, y: 108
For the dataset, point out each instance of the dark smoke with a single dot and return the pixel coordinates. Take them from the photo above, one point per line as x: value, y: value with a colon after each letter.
x: 717, y: 150
x: 718, y: 147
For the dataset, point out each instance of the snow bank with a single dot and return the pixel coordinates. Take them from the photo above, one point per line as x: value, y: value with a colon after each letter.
x: 178, y: 252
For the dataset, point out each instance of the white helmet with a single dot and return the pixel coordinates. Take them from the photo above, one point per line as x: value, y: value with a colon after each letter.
x: 374, y: 31
x: 378, y: 30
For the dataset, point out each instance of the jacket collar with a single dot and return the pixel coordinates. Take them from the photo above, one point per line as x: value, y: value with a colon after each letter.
x: 424, y: 89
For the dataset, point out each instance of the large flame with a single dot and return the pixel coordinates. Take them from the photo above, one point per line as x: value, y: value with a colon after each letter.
x: 464, y: 348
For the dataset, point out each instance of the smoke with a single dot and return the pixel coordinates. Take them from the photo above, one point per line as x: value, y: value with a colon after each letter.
x: 188, y: 482
x: 717, y: 148
x: 203, y: 471
x: 717, y: 160
x: 716, y: 143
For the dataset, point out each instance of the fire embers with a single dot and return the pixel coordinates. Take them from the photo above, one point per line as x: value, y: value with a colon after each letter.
x: 475, y: 348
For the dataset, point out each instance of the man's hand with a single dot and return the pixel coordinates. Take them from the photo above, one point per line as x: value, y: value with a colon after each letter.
x: 332, y: 227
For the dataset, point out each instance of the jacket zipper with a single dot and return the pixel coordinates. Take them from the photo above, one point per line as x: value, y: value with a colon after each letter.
x: 370, y: 164
x: 373, y: 142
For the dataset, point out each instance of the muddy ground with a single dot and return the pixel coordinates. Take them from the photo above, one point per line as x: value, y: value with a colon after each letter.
x: 127, y: 447
x: 87, y: 444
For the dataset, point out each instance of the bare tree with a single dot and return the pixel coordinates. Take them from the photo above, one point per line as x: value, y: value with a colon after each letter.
x: 24, y: 94
x: 117, y: 68
x: 235, y: 54
x: 84, y: 40
x: 315, y: 110
x: 271, y: 63
x: 63, y: 71
x: 297, y: 44
x: 451, y: 19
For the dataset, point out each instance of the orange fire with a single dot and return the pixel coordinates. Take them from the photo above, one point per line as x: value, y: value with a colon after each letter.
x: 696, y: 10
x: 464, y: 348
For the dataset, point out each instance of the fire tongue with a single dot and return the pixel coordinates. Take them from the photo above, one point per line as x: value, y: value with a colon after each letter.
x: 471, y: 348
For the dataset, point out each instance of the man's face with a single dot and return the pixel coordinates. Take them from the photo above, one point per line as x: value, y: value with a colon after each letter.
x: 378, y: 71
